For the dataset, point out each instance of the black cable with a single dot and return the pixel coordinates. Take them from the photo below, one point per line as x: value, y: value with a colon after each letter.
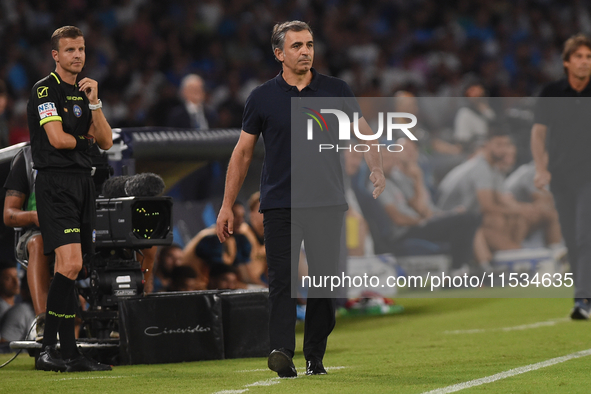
x: 20, y: 350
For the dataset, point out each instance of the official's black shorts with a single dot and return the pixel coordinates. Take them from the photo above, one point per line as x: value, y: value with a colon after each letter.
x: 66, y: 209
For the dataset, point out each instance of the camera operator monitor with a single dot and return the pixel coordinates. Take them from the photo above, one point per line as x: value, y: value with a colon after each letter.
x: 133, y: 222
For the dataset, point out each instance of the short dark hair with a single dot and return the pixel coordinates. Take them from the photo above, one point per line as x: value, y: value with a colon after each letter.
x: 183, y: 271
x: 469, y: 81
x: 219, y: 270
x: 4, y: 265
x: 64, y: 32
x: 498, y: 129
x: 281, y: 29
x: 3, y: 90
x: 572, y: 44
x: 179, y: 275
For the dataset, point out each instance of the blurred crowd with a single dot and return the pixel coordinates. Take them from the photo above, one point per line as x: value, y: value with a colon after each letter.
x: 181, y: 63
x: 140, y: 50
x: 206, y: 264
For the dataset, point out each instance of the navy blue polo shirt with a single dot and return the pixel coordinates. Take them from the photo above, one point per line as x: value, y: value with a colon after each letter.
x: 566, y: 114
x: 268, y: 112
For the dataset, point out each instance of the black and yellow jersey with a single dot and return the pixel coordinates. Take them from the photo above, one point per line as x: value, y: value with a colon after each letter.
x: 55, y: 100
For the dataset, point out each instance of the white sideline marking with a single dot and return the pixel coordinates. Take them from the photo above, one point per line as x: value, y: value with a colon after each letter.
x: 94, y: 377
x: 331, y: 368
x: 509, y: 373
x: 299, y: 369
x: 268, y: 382
x: 514, y: 328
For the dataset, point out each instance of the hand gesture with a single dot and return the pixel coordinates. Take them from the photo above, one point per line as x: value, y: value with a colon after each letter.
x: 90, y: 88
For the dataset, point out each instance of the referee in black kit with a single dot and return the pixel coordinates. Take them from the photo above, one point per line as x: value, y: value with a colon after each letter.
x: 65, y: 120
x: 563, y: 117
x: 268, y: 112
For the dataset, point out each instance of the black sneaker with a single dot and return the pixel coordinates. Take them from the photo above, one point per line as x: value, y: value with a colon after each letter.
x: 315, y: 367
x: 50, y: 360
x: 85, y: 364
x: 580, y: 310
x: 281, y: 362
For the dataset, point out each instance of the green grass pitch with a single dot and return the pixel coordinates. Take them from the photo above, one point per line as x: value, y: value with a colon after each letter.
x: 434, y: 343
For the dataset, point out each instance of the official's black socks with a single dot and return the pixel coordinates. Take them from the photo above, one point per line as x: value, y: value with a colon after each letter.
x: 58, y: 300
x: 67, y: 329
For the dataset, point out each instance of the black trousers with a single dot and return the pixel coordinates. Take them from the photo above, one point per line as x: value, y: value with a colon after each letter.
x: 573, y: 203
x: 285, y: 229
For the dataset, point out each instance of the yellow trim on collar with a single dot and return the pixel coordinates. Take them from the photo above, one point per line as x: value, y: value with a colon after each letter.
x: 56, y: 78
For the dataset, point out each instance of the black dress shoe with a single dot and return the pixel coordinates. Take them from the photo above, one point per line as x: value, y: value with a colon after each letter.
x: 50, y: 360
x: 281, y: 362
x: 315, y: 367
x: 85, y: 364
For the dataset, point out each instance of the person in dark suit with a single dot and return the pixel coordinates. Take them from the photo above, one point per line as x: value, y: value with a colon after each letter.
x: 192, y: 113
x: 560, y: 141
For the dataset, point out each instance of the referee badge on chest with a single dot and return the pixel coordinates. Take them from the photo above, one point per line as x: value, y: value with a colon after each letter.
x: 77, y: 111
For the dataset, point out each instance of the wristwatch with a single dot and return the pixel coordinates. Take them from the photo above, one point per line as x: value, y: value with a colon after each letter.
x: 94, y: 107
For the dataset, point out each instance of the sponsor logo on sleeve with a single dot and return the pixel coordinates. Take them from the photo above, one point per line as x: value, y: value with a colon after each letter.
x: 42, y: 91
x: 47, y: 109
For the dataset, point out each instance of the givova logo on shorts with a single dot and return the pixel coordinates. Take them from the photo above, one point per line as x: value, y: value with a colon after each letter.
x: 71, y: 230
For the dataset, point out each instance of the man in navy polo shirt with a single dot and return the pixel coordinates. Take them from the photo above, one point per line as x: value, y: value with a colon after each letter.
x: 318, y: 223
x: 563, y: 114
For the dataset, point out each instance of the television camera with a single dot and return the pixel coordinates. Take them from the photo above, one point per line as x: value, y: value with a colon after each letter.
x: 129, y: 218
x: 124, y: 226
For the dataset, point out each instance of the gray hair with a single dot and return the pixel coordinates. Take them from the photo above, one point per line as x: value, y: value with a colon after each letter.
x: 189, y: 78
x: 281, y: 29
